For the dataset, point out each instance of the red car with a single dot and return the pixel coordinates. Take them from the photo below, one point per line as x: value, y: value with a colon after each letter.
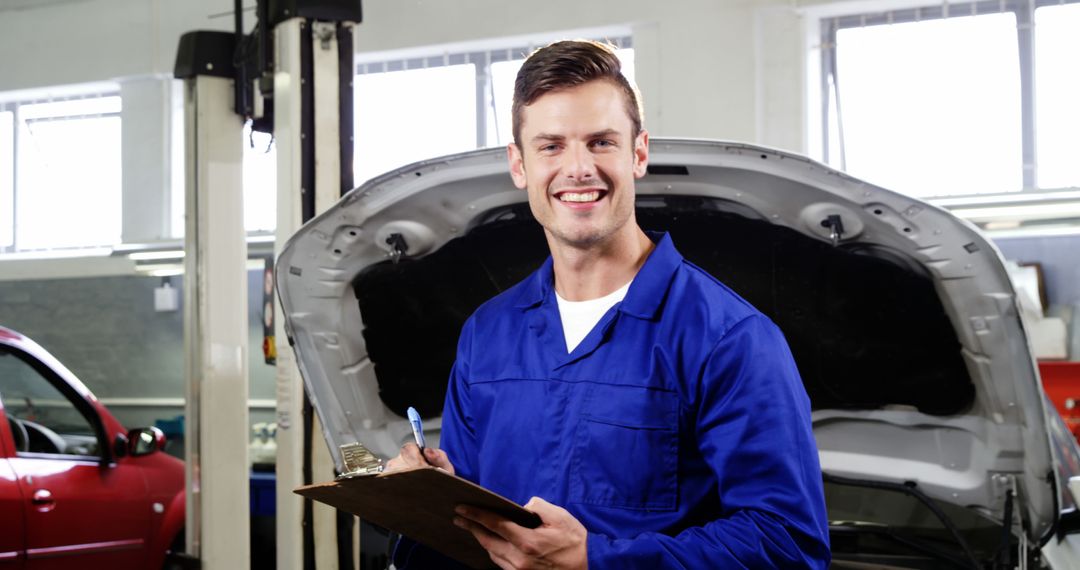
x: 77, y: 490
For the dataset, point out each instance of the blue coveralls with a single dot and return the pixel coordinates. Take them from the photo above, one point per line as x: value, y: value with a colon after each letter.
x: 678, y: 431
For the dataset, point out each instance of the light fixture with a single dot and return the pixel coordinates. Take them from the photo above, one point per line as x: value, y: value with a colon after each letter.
x: 155, y: 255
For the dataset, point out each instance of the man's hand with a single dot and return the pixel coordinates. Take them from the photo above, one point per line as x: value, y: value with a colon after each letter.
x: 410, y: 457
x: 559, y: 541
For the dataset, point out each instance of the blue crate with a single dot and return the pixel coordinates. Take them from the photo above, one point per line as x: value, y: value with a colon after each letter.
x: 172, y: 428
x: 263, y: 499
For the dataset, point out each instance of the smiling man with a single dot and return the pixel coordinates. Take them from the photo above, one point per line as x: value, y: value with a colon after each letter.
x: 650, y: 416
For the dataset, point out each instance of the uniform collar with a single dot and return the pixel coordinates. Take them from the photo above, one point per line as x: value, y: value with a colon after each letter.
x: 645, y: 295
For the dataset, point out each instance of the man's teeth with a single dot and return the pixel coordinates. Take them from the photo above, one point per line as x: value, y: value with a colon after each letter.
x: 580, y: 196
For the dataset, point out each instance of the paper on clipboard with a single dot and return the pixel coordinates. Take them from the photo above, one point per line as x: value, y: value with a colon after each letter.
x: 419, y: 503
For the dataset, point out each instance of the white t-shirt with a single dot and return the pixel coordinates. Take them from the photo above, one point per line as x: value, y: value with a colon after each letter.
x: 579, y: 317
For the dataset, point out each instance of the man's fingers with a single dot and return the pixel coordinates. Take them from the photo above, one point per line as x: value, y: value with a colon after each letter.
x: 560, y: 542
x: 411, y: 452
x: 408, y: 457
x: 502, y: 527
x: 502, y: 563
x: 438, y: 458
x: 498, y: 548
x: 546, y: 510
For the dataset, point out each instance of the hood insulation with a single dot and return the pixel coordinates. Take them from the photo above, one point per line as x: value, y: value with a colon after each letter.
x: 865, y: 324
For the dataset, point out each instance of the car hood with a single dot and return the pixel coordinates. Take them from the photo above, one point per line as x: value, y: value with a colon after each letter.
x: 904, y: 324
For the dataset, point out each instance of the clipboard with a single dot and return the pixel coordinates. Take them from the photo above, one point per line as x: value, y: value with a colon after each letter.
x: 419, y: 503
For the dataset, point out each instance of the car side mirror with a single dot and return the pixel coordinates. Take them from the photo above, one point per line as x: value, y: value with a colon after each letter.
x: 145, y: 441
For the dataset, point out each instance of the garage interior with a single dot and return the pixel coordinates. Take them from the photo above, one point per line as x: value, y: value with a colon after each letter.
x: 100, y: 174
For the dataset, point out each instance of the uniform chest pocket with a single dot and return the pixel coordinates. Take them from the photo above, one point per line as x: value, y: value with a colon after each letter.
x: 626, y: 452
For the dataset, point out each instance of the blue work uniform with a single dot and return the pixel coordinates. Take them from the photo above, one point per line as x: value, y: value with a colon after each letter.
x: 678, y: 431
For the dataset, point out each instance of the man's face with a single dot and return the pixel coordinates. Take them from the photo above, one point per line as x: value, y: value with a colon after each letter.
x: 578, y: 161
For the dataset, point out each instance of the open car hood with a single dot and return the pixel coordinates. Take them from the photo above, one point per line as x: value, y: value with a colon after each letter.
x: 905, y: 327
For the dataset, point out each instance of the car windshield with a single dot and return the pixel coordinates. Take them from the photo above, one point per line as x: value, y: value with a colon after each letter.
x: 893, y: 528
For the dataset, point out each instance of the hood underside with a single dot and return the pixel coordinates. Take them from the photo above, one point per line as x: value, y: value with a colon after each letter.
x: 905, y: 328
x: 831, y: 303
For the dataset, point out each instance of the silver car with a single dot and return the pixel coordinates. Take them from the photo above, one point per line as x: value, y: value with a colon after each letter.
x: 937, y: 444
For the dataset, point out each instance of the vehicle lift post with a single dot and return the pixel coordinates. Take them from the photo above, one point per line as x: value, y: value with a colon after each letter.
x: 305, y: 99
x: 215, y: 320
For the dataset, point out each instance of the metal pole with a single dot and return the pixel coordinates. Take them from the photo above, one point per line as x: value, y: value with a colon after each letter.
x: 216, y: 330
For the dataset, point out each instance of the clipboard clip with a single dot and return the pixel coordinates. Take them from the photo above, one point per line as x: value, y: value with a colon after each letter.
x: 359, y: 461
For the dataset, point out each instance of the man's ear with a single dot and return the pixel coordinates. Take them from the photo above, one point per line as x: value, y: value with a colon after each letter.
x: 517, y: 165
x: 641, y: 154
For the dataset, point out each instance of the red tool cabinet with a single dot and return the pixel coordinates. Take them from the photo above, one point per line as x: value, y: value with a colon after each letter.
x: 1061, y: 380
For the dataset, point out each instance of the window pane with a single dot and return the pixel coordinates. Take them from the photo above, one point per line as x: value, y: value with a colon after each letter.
x: 499, y: 129
x: 405, y: 116
x: 45, y: 420
x: 260, y: 181
x: 72, y: 107
x: 68, y: 178
x: 1057, y: 91
x: 7, y: 178
x: 932, y: 108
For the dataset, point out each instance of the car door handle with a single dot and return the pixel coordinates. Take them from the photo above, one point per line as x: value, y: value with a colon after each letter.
x: 42, y: 497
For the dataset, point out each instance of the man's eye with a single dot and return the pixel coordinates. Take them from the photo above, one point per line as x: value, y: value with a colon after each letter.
x: 603, y: 143
x: 549, y: 148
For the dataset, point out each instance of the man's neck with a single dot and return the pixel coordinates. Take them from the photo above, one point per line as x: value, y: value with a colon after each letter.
x: 584, y: 274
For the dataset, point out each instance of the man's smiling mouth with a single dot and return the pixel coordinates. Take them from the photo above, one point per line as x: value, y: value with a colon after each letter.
x: 580, y: 197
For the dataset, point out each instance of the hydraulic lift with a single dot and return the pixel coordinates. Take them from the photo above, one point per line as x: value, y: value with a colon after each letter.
x: 292, y: 77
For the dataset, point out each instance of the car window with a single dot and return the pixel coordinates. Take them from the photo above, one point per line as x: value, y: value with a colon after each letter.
x: 42, y: 418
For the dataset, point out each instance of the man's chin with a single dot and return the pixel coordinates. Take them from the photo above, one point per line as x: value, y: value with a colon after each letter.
x: 580, y: 239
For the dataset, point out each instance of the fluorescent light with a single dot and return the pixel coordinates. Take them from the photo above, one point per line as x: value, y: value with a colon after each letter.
x: 155, y: 255
x: 1017, y: 212
x: 166, y: 272
x: 59, y: 253
x: 160, y: 269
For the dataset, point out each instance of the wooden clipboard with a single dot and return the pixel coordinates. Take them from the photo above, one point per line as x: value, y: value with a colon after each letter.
x: 419, y: 503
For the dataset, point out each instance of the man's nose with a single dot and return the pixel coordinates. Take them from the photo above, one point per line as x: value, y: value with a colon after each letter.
x: 579, y: 163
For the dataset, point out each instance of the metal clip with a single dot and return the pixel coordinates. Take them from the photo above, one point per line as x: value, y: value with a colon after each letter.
x: 324, y: 32
x: 836, y: 227
x: 398, y: 246
x: 359, y: 461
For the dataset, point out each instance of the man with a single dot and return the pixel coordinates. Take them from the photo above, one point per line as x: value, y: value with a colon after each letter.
x: 650, y: 416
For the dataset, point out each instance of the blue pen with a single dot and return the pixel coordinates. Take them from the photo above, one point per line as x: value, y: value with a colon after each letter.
x: 417, y: 430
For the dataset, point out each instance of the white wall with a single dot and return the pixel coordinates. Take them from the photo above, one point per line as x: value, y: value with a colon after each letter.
x: 91, y: 40
x: 699, y: 63
x: 728, y: 69
x: 708, y: 68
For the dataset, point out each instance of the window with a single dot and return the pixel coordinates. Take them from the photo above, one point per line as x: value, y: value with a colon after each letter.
x: 1056, y: 95
x: 943, y: 100
x: 7, y: 180
x: 424, y: 107
x: 499, y: 120
x: 42, y: 419
x: 260, y: 181
x: 413, y: 114
x: 66, y: 188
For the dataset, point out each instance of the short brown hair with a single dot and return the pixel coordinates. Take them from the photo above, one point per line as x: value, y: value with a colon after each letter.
x: 566, y: 64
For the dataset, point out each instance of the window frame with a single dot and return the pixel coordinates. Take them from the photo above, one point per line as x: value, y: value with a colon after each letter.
x: 483, y: 60
x: 77, y: 401
x: 1023, y: 10
x: 14, y: 105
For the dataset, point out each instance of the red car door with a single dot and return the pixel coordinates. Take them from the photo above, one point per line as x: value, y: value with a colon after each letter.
x: 79, y: 510
x: 12, y: 538
x: 80, y: 514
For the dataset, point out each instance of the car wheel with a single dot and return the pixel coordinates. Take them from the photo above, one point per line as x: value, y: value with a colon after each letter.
x: 177, y: 559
